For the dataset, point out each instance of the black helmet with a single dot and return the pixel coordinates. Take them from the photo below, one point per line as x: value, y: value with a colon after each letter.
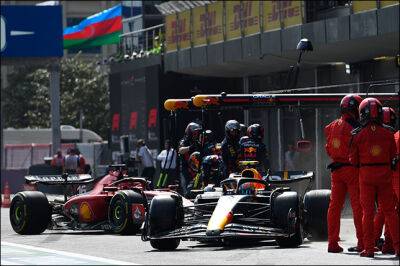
x: 192, y: 131
x: 255, y: 132
x: 232, y: 129
x: 244, y: 139
x: 370, y: 110
x: 208, y: 136
x: 194, y: 161
x: 212, y: 162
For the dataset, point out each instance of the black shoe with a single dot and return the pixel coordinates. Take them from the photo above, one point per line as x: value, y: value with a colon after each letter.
x: 354, y: 249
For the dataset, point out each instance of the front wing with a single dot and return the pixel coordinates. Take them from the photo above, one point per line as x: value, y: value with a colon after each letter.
x: 233, y: 230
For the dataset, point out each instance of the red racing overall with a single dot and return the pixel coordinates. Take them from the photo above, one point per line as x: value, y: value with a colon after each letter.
x: 344, y: 178
x: 373, y: 149
x: 379, y: 218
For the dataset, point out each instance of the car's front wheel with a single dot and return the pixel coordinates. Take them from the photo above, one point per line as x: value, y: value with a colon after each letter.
x: 286, y: 208
x: 164, y: 216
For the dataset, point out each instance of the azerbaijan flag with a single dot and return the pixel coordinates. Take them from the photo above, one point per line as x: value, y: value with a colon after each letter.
x: 97, y: 30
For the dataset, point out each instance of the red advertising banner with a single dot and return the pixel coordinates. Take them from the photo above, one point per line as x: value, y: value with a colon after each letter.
x: 152, y: 120
x: 133, y: 120
x: 115, y: 122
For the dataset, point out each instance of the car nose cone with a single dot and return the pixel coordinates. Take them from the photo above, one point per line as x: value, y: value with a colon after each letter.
x: 215, y: 232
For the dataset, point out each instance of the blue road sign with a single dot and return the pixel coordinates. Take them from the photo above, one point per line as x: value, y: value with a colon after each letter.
x: 31, y: 31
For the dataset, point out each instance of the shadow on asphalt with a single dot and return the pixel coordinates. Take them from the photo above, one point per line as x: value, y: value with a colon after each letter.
x: 78, y: 233
x: 250, y: 245
x: 377, y: 256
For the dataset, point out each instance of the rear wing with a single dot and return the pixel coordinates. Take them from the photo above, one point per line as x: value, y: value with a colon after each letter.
x: 65, y: 179
x: 299, y: 181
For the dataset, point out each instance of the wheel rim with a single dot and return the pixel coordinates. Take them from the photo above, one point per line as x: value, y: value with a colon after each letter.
x: 118, y: 214
x: 18, y: 214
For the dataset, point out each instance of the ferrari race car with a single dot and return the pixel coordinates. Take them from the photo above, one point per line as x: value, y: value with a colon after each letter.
x: 278, y: 207
x: 117, y: 203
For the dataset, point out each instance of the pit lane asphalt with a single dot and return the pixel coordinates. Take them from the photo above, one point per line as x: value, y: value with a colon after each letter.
x: 131, y: 249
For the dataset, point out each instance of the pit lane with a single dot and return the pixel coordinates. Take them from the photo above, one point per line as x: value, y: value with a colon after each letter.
x: 74, y: 247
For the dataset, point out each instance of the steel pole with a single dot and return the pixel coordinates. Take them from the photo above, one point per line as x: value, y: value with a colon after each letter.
x: 55, y: 105
x: 246, y: 91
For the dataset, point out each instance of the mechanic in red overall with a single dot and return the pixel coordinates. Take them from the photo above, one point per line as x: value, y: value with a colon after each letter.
x: 389, y: 118
x: 373, y: 149
x: 344, y: 176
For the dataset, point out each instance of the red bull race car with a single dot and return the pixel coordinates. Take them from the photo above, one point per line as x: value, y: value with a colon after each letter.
x: 117, y: 204
x: 278, y: 207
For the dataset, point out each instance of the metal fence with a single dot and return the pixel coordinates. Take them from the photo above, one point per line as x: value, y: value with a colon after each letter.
x: 143, y: 42
x: 22, y: 156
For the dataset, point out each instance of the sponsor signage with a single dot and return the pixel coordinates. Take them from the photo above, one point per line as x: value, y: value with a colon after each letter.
x: 200, y: 25
x: 282, y: 13
x: 214, y: 22
x: 361, y: 6
x: 250, y: 17
x: 232, y: 9
x: 26, y: 31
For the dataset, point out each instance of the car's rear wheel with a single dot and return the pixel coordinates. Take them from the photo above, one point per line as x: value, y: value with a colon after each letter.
x: 286, y: 207
x: 126, y: 212
x: 30, y: 212
x: 164, y: 215
x: 316, y: 204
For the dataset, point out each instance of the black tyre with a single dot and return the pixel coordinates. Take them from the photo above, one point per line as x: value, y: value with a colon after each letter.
x: 120, y: 214
x: 30, y: 212
x: 164, y: 215
x: 316, y: 204
x: 286, y: 214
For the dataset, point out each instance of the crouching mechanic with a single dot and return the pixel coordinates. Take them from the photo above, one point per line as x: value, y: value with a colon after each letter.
x: 206, y: 170
x: 344, y: 176
x: 389, y: 118
x: 372, y: 149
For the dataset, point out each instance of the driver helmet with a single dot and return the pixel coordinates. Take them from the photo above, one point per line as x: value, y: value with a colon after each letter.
x: 192, y: 131
x: 194, y: 161
x: 370, y: 110
x: 232, y: 130
x: 255, y: 132
x: 251, y: 187
x: 349, y: 105
x: 389, y: 116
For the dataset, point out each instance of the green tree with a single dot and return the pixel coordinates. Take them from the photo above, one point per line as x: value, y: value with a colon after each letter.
x: 83, y: 87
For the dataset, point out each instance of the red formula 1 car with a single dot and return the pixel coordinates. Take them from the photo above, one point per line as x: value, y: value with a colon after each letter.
x: 117, y: 203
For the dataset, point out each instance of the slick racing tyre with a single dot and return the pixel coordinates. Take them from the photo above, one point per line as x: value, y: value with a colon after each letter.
x: 316, y: 204
x: 286, y: 215
x: 164, y: 215
x: 30, y: 212
x: 126, y: 212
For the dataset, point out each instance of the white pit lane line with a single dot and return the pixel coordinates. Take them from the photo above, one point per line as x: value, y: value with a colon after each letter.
x: 19, y: 254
